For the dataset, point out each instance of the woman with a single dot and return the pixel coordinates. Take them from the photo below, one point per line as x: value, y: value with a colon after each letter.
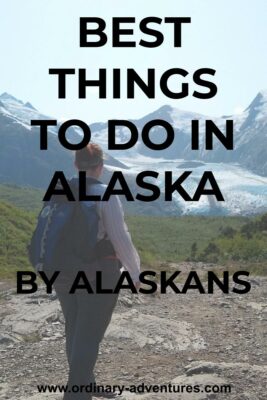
x: 87, y: 315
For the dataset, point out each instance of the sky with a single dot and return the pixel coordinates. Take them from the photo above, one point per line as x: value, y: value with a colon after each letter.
x: 225, y: 35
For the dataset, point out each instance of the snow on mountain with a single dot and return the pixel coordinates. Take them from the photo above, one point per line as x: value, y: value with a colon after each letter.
x: 248, y: 132
x: 252, y: 119
x: 244, y: 192
x: 259, y: 105
x: 237, y: 171
x: 22, y: 112
x: 250, y: 136
x: 21, y: 142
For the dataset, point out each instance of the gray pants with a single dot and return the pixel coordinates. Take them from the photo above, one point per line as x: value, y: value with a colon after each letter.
x: 87, y: 317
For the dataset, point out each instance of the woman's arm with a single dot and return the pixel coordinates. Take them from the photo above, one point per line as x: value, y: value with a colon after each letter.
x: 118, y: 234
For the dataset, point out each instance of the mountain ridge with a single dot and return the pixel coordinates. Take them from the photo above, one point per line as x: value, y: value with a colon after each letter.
x: 23, y: 163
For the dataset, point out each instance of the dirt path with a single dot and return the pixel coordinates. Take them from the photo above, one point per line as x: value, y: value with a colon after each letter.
x: 184, y: 339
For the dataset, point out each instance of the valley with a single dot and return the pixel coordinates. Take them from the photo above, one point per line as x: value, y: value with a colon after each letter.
x: 241, y: 174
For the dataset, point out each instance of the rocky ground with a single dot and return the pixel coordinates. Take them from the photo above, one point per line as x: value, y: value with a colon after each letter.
x: 156, y: 339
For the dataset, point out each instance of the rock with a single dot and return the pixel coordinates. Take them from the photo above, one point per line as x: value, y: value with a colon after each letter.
x: 28, y: 317
x: 129, y: 299
x: 201, y: 380
x: 7, y: 339
x: 198, y: 367
x: 248, y: 396
x: 147, y: 330
x: 179, y: 391
x: 257, y: 306
x: 197, y: 339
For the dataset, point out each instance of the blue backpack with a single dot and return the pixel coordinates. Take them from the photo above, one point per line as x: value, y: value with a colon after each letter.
x: 66, y: 233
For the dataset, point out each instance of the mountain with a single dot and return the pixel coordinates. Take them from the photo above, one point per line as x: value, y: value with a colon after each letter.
x: 251, y: 142
x: 250, y: 137
x: 237, y: 172
x: 21, y: 160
